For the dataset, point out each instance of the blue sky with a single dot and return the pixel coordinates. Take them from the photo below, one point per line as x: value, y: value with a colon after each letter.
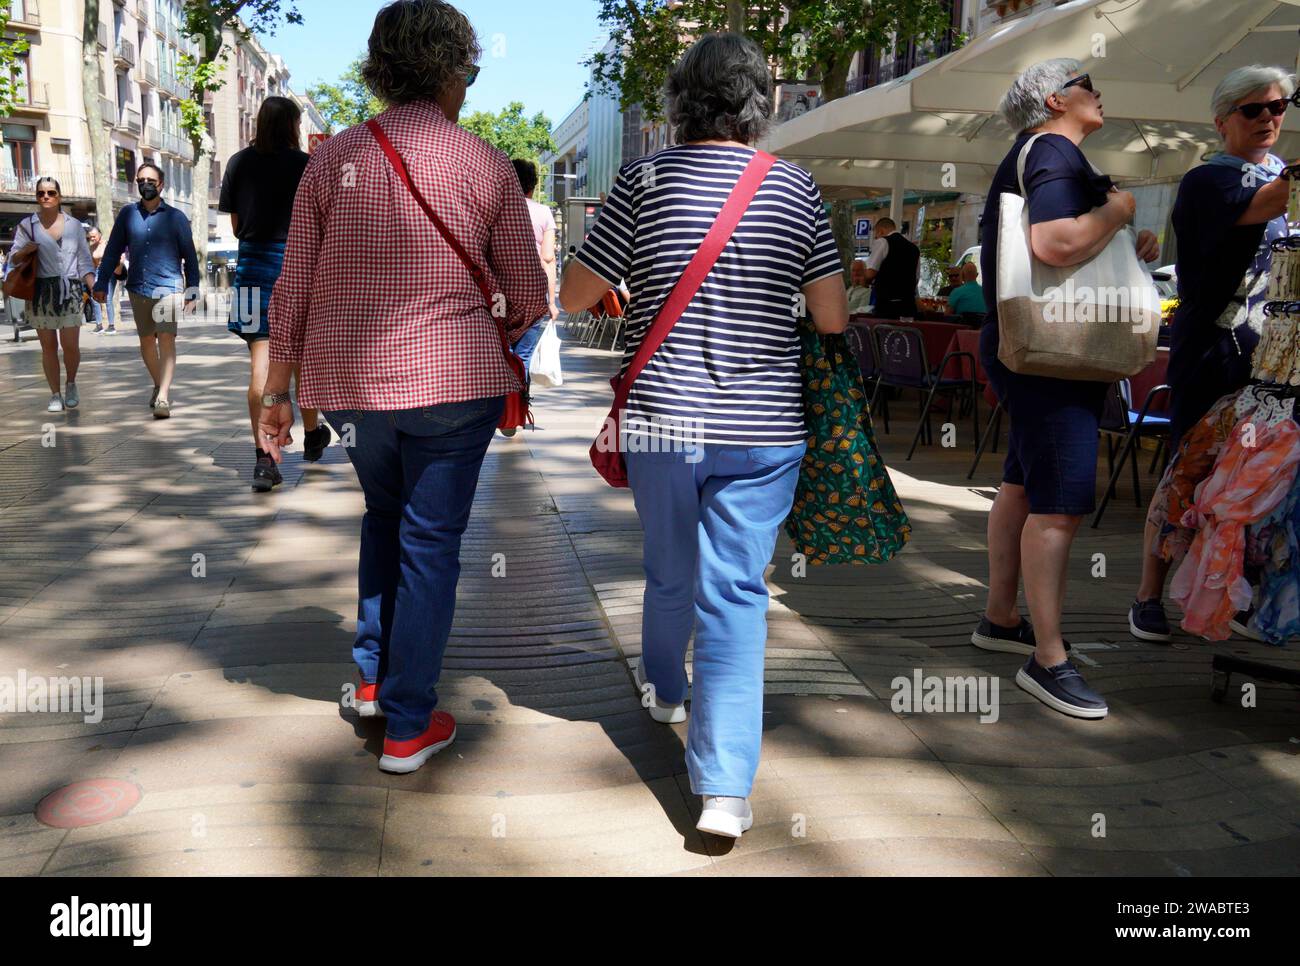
x: 532, y: 49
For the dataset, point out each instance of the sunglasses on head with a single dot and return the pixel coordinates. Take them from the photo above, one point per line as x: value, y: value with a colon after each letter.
x: 1255, y: 108
x: 471, y: 75
x: 1083, y: 80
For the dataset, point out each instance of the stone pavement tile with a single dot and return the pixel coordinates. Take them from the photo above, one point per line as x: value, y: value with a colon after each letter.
x: 884, y: 857
x: 1171, y: 804
x: 32, y: 770
x: 633, y: 829
x: 215, y: 829
x: 1270, y: 774
x: 796, y: 727
x: 26, y: 845
x: 1272, y: 858
x: 120, y: 661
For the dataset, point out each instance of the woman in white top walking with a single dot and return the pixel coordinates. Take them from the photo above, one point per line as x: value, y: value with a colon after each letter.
x: 64, y: 273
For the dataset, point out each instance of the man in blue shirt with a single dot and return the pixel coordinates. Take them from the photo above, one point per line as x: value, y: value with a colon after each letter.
x: 163, y: 277
x: 968, y: 297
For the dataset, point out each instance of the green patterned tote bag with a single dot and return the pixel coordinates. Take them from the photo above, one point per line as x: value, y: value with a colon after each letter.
x: 845, y: 508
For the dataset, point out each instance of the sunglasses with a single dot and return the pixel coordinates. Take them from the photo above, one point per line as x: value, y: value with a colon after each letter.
x: 471, y: 75
x: 47, y: 194
x: 1083, y: 80
x: 141, y: 182
x: 1255, y: 108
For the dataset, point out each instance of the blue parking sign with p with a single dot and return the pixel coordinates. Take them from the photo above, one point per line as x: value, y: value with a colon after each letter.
x: 863, y: 228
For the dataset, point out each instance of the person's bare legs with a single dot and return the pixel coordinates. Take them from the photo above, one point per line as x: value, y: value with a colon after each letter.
x: 70, y: 339
x: 1006, y: 521
x: 310, y: 418
x: 1044, y: 558
x: 166, y: 363
x: 259, y: 359
x: 1155, y: 569
x: 149, y: 353
x: 49, y: 340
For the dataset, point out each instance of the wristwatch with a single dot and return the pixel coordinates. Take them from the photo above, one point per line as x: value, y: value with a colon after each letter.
x: 269, y: 400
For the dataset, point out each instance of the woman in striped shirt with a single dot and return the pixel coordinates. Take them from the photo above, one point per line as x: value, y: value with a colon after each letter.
x: 714, y: 424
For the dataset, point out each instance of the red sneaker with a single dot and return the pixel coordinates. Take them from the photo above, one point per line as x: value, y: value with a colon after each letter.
x: 408, y: 755
x: 366, y: 700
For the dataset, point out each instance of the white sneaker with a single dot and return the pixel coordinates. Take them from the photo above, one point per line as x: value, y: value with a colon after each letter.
x: 56, y: 404
x: 71, y: 398
x: 728, y: 817
x: 660, y: 711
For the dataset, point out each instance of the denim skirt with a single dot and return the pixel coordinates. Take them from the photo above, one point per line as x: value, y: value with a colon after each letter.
x: 257, y: 268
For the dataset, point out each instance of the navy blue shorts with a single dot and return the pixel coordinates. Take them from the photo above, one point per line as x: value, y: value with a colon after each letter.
x: 1052, y: 447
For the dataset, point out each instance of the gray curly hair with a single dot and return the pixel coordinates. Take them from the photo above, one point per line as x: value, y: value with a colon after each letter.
x: 416, y: 48
x: 721, y: 89
x: 1025, y: 105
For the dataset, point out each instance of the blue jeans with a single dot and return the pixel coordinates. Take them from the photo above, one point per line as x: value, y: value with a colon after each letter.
x: 528, y: 341
x: 418, y: 469
x: 710, y: 529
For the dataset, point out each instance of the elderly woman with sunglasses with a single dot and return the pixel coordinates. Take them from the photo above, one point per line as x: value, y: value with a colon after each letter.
x: 1050, y: 476
x: 1227, y: 212
x: 64, y: 271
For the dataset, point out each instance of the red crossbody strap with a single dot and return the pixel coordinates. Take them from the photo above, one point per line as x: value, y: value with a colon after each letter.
x: 480, y: 278
x: 697, y: 270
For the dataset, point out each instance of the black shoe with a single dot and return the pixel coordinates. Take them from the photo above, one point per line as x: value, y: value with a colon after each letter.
x: 314, y: 443
x: 1147, y: 621
x: 265, y: 474
x: 1011, y: 640
x: 1062, y: 688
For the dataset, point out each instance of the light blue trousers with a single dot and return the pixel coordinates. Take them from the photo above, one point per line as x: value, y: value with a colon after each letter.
x: 710, y: 529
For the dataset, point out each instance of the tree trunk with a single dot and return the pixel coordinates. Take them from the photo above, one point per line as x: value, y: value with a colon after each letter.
x: 203, y: 145
x: 101, y: 154
x: 736, y: 16
x: 835, y: 80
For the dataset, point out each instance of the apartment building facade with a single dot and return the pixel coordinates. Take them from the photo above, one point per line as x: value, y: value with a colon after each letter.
x: 140, y: 44
x: 47, y: 134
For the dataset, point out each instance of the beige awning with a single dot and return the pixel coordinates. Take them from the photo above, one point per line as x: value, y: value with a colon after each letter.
x: 1159, y: 61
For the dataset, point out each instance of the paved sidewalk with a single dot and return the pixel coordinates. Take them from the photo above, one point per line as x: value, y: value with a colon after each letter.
x: 222, y: 691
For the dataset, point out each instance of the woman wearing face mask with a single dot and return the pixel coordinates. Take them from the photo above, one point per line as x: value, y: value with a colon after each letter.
x: 64, y: 271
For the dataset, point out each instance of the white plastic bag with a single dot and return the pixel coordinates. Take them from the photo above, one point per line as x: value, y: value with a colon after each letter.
x: 544, y: 367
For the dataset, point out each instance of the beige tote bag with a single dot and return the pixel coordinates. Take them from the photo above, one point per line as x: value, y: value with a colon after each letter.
x: 1098, y: 320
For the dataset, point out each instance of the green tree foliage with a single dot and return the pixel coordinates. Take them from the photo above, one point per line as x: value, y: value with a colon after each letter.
x: 518, y: 136
x: 347, y: 102
x: 12, y: 89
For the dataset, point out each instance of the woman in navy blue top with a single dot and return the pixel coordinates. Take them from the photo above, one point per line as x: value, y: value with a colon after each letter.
x: 715, y: 429
x: 1227, y: 212
x: 1049, y: 479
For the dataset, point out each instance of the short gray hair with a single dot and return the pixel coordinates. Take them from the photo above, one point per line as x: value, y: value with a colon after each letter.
x: 1025, y: 105
x: 1246, y: 80
x: 416, y: 49
x: 720, y: 89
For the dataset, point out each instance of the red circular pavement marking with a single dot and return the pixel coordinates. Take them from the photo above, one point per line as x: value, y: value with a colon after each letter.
x: 87, y: 802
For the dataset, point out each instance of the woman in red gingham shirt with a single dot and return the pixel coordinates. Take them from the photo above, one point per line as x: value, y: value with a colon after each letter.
x: 399, y: 349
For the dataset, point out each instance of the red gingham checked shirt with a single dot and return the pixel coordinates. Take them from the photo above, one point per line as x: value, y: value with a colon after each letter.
x: 371, y: 301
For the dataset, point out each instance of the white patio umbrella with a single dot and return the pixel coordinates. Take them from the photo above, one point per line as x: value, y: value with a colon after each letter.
x: 1155, y: 61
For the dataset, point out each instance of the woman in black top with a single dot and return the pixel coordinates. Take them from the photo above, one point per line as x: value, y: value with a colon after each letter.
x: 258, y: 190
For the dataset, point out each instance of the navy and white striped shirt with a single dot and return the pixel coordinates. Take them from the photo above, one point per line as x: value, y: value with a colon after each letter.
x: 729, y: 368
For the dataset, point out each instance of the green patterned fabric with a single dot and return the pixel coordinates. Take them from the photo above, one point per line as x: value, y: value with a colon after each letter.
x: 845, y: 508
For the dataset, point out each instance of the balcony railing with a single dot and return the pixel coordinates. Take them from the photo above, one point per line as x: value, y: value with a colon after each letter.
x: 122, y: 193
x: 186, y: 150
x: 107, y: 112
x: 150, y: 73
x: 151, y: 137
x: 131, y: 120
x: 76, y: 182
x: 142, y: 12
x: 102, y: 35
x: 25, y: 13
x: 124, y: 52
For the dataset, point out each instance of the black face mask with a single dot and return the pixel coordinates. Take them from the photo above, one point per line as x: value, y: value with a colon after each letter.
x: 148, y: 191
